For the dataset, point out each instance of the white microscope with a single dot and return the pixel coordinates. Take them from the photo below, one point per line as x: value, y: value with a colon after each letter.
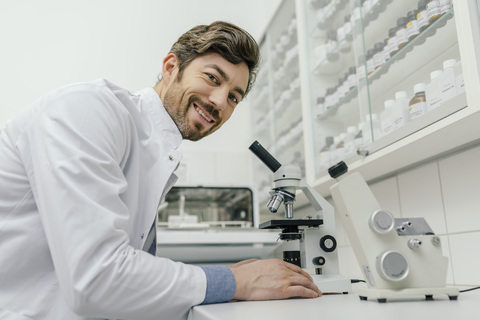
x: 316, y: 252
x: 399, y: 257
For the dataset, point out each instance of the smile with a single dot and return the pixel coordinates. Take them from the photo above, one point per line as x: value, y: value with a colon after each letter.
x: 205, y: 116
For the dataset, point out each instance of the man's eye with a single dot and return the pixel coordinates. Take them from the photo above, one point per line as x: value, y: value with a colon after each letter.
x: 212, y: 77
x: 234, y: 99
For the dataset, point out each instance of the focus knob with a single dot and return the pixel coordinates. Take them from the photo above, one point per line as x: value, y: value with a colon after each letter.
x: 381, y: 221
x: 337, y: 170
x: 328, y: 243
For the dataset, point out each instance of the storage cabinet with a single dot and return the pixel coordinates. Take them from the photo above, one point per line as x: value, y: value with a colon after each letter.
x: 359, y: 62
x: 277, y: 119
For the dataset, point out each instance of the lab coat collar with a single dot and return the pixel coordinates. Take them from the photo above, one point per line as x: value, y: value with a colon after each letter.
x: 164, y: 123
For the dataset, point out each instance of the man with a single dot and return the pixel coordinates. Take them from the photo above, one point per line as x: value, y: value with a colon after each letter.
x: 82, y: 172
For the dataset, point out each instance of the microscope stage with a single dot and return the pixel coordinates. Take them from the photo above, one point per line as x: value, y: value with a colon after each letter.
x: 281, y: 224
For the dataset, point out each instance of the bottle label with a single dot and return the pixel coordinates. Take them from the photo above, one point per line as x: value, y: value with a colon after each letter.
x: 370, y: 65
x: 422, y: 19
x: 433, y: 9
x: 329, y: 101
x: 398, y: 119
x: 392, y: 45
x: 378, y: 59
x: 418, y: 109
x: 352, y: 80
x: 412, y: 29
x: 402, y: 36
x: 445, y: 5
x: 360, y: 72
x: 447, y: 88
x: 460, y: 84
x: 387, y: 125
x: 433, y: 100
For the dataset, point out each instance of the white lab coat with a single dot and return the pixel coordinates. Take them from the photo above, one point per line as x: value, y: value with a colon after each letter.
x: 82, y: 172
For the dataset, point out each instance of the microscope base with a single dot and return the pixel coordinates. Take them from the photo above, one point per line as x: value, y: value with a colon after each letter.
x: 332, y: 283
x: 381, y: 295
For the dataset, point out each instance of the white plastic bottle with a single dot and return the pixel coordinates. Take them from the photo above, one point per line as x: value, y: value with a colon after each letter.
x: 386, y: 117
x: 372, y: 126
x: 349, y: 143
x: 418, y: 103
x: 400, y: 110
x: 358, y: 139
x: 325, y: 154
x: 432, y: 91
x: 446, y: 81
x: 338, y: 148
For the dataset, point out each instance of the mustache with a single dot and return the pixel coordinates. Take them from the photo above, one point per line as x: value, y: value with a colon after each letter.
x: 207, y: 107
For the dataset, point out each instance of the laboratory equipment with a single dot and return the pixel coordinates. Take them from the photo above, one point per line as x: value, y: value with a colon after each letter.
x: 316, y: 252
x: 212, y: 224
x: 399, y: 257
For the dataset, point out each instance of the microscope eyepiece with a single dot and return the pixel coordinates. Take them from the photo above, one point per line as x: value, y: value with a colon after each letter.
x: 265, y: 156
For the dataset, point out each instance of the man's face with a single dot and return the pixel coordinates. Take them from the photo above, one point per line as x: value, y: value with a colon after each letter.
x: 202, y: 98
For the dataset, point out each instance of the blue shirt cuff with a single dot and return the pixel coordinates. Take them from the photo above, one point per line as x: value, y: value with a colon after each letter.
x: 220, y: 284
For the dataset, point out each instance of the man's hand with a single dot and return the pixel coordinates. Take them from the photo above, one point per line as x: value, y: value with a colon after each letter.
x: 272, y: 279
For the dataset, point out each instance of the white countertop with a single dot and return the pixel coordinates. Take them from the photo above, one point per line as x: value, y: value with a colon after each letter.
x: 345, y: 307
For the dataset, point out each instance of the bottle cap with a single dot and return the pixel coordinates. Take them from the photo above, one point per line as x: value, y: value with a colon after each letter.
x: 402, y: 22
x: 422, y: 4
x: 351, y: 129
x: 449, y: 63
x: 388, y: 103
x: 400, y: 95
x: 330, y: 91
x: 378, y: 46
x: 328, y: 140
x: 435, y: 74
x: 371, y: 117
x: 419, y: 87
x: 392, y: 32
x: 412, y: 15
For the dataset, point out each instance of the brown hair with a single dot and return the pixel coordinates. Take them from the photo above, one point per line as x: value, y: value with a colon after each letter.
x: 231, y: 42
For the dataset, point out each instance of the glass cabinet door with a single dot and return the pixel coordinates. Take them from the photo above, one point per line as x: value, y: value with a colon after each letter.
x: 380, y: 70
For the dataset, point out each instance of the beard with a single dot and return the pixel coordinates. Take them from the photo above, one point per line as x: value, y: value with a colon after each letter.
x: 173, y: 104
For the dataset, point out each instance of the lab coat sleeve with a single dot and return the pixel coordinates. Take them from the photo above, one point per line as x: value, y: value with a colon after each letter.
x: 72, y: 150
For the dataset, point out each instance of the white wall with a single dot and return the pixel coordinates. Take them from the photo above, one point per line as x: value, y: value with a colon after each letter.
x: 50, y: 43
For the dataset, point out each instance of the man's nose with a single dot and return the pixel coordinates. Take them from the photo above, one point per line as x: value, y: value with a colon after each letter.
x: 218, y: 97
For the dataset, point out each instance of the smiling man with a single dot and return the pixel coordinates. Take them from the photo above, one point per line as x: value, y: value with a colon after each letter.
x: 205, y: 99
x: 82, y: 172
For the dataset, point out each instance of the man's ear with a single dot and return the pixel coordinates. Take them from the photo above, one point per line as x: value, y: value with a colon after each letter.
x: 170, y: 68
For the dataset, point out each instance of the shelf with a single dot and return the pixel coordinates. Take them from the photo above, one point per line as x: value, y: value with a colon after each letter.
x: 437, y: 42
x: 447, y: 135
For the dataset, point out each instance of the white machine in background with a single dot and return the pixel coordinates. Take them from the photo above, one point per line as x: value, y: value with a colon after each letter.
x: 399, y: 257
x: 316, y: 252
x: 212, y: 224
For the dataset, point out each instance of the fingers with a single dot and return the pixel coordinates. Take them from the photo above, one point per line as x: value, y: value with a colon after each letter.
x: 297, y: 269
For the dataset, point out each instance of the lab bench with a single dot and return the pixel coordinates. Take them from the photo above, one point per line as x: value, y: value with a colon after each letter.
x: 347, y: 306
